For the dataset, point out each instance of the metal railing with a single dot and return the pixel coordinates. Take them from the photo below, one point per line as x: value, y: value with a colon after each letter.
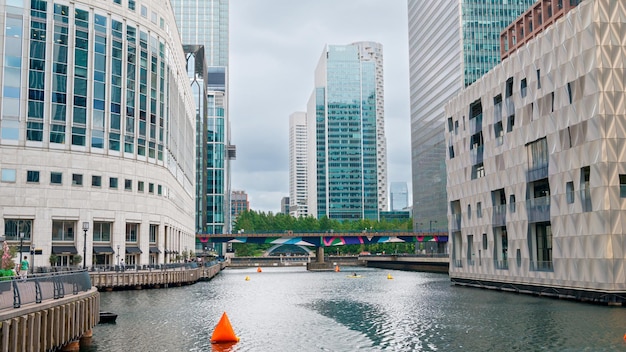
x: 16, y: 291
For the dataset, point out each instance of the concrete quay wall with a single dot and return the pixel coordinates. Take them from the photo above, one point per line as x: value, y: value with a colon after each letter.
x: 140, y: 279
x: 52, y: 325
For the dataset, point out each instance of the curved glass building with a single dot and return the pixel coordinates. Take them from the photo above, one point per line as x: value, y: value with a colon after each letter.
x: 97, y: 133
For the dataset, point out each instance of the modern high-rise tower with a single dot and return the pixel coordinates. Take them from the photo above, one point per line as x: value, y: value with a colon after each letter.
x: 205, y: 22
x: 298, y: 165
x: 452, y: 43
x: 345, y: 124
x: 399, y: 196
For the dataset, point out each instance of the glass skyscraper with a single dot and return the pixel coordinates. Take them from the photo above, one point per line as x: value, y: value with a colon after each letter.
x: 345, y: 119
x: 452, y: 43
x: 205, y: 22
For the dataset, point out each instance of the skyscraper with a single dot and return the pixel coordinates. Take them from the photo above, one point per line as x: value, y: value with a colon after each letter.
x: 205, y: 22
x: 452, y: 43
x: 347, y: 170
x: 298, y: 165
x: 399, y: 196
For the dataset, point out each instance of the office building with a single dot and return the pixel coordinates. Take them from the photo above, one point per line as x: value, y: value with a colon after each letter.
x: 205, y: 22
x: 97, y: 133
x: 239, y: 203
x: 536, y: 173
x: 284, y: 205
x: 298, y: 165
x: 452, y: 43
x: 399, y: 196
x: 347, y: 170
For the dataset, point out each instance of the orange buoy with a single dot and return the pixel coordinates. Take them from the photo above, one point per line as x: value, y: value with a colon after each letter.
x: 337, y: 268
x: 258, y: 270
x: 224, y: 332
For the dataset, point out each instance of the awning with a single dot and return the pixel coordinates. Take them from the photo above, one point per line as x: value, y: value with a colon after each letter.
x: 154, y: 250
x: 64, y: 250
x: 103, y: 250
x: 133, y: 250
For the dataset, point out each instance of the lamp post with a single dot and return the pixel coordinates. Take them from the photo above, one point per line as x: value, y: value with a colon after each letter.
x: 21, y: 245
x: 118, y: 255
x: 85, y: 228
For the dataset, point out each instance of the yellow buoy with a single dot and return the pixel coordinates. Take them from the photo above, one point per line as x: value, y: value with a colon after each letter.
x: 247, y: 278
x: 389, y: 277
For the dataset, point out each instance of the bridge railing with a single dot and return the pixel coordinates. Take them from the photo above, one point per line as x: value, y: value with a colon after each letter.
x: 15, y: 291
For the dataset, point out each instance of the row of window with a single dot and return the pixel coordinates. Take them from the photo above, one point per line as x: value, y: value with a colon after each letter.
x: 65, y: 230
x: 56, y: 178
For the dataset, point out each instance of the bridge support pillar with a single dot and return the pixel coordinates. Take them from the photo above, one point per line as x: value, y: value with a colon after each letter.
x: 319, y: 254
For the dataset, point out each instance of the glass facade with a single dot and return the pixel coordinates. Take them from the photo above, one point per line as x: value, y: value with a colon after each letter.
x: 481, y: 25
x: 346, y: 133
x: 440, y: 33
x: 205, y: 23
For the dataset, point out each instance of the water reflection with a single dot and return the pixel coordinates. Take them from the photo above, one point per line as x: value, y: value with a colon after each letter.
x: 289, y: 309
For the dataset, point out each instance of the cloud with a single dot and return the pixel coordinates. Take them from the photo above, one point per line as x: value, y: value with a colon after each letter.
x: 275, y: 46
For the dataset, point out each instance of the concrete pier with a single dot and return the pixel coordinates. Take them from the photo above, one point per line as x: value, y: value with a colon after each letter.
x: 50, y: 325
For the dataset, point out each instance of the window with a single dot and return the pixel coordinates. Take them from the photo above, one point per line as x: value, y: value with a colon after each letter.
x: 469, y: 211
x: 569, y: 91
x: 140, y: 186
x: 144, y: 11
x: 131, y: 4
x: 511, y: 123
x: 13, y: 228
x: 151, y: 188
x: 622, y: 186
x: 154, y: 230
x: 77, y: 179
x: 128, y: 185
x: 569, y: 190
x: 56, y: 178
x: 113, y: 182
x: 131, y: 232
x: 538, y: 79
x: 63, y: 230
x: 96, y: 181
x: 101, y: 231
x: 523, y: 86
x: 8, y: 175
x: 479, y: 209
x: 512, y: 203
x: 484, y: 241
x: 478, y: 171
x: 159, y: 190
x: 509, y: 87
x: 32, y: 176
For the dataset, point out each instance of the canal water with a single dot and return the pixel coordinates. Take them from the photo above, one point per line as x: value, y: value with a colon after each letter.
x: 290, y: 309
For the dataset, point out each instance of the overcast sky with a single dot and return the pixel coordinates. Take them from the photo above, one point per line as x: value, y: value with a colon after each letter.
x: 275, y: 46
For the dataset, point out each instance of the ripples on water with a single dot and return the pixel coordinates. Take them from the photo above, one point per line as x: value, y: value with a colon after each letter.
x: 290, y: 309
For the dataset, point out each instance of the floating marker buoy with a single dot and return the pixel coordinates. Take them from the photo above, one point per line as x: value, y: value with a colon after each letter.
x: 337, y: 268
x: 624, y: 336
x: 389, y: 277
x: 247, y: 278
x: 224, y: 332
x: 258, y: 270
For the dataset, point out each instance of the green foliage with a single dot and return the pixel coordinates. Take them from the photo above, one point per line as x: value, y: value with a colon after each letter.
x: 53, y: 259
x: 77, y: 259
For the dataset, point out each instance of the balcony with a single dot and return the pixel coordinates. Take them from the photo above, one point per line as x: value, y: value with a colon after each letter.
x: 455, y: 222
x: 501, y: 264
x: 537, y: 173
x: 457, y: 263
x: 499, y: 215
x: 538, y: 209
x: 476, y: 155
x: 541, y: 266
x: 476, y: 123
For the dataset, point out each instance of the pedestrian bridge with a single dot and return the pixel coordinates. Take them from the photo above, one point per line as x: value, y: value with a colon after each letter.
x: 324, y: 239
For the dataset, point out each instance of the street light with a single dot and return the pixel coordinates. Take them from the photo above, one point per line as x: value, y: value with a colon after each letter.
x: 118, y: 255
x: 431, y: 224
x: 85, y: 228
x: 21, y: 245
